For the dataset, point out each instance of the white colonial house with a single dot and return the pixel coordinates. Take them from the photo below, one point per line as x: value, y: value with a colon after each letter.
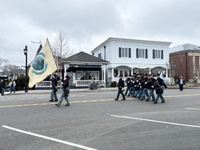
x: 126, y: 56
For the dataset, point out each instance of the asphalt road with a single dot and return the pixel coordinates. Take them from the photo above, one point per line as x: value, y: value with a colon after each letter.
x: 95, y: 121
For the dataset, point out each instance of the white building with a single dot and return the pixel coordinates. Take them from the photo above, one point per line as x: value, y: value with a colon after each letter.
x: 126, y: 56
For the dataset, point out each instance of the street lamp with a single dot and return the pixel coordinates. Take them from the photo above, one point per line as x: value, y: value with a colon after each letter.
x: 25, y: 53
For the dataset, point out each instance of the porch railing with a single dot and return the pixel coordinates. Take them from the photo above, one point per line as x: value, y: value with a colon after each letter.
x: 81, y: 83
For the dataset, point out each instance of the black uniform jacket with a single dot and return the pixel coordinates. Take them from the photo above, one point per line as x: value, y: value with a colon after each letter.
x: 120, y: 84
x: 157, y: 85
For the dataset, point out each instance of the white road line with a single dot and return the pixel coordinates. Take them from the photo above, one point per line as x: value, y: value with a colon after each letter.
x: 193, y: 108
x: 163, y: 122
x: 49, y: 138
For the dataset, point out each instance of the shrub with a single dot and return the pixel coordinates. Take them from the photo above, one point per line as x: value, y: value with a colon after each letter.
x: 114, y: 84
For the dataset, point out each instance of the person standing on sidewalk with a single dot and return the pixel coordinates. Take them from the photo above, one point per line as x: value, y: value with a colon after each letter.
x: 120, y: 88
x: 65, y: 92
x: 181, y: 82
x: 12, y: 85
x: 54, y: 82
x: 2, y: 87
x: 158, y: 85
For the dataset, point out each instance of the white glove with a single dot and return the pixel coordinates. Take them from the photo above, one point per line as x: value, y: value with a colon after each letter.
x: 139, y: 83
x: 145, y: 82
x: 133, y: 81
x: 152, y: 87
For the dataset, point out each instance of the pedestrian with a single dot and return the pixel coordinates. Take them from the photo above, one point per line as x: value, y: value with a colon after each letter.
x: 128, y: 84
x: 65, y: 92
x: 181, y: 82
x: 54, y: 82
x: 140, y: 86
x: 120, y: 88
x: 150, y: 87
x: 137, y: 86
x: 144, y: 87
x: 2, y: 87
x: 158, y: 85
x: 131, y: 86
x: 12, y: 85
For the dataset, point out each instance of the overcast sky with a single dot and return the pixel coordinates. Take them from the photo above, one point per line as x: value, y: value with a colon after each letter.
x: 90, y: 22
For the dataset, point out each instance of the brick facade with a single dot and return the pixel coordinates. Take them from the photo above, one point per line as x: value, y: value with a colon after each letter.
x: 186, y: 62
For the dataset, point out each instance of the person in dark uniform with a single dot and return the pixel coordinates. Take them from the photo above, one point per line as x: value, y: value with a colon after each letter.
x: 54, y: 82
x: 158, y: 85
x: 181, y: 82
x: 65, y: 92
x: 1, y: 86
x: 128, y: 84
x: 120, y: 88
x: 144, y: 87
x: 150, y: 87
x: 131, y: 85
x: 140, y: 85
x: 137, y: 87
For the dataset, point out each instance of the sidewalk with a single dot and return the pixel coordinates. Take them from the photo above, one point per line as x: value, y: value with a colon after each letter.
x: 87, y: 90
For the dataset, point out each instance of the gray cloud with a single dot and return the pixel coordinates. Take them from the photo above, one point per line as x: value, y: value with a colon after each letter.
x: 89, y: 22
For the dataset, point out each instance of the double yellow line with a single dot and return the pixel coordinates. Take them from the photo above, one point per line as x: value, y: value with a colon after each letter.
x: 85, y: 101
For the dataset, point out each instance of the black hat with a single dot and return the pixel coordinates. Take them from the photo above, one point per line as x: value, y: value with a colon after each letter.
x: 150, y: 74
x: 145, y: 74
x: 140, y: 73
x: 120, y: 76
x: 158, y: 74
x: 134, y: 73
x: 67, y: 76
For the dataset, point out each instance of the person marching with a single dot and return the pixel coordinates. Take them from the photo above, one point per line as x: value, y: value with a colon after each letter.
x: 181, y: 82
x: 120, y: 88
x: 140, y: 86
x: 158, y: 85
x: 131, y: 84
x: 65, y: 92
x: 150, y: 87
x: 128, y: 84
x: 144, y: 87
x: 54, y: 82
x: 137, y: 87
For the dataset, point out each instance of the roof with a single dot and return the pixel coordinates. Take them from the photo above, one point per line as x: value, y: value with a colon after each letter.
x: 83, y: 57
x: 184, y: 47
x: 128, y: 40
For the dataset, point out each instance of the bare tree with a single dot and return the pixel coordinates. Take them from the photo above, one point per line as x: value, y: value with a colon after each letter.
x: 4, y: 65
x: 61, y: 47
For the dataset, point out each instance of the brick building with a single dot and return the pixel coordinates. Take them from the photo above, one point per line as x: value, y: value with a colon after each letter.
x: 186, y: 59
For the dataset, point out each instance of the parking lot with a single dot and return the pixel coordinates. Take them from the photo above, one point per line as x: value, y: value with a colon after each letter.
x: 94, y: 121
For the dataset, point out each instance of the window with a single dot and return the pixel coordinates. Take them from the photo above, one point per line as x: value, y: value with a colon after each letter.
x: 157, y: 54
x: 99, y: 55
x: 115, y: 72
x: 124, y: 52
x: 197, y: 73
x: 141, y: 53
x: 121, y: 73
x: 87, y: 75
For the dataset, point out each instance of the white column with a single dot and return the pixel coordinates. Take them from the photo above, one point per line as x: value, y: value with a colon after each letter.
x: 131, y: 71
x: 66, y: 67
x: 112, y: 73
x: 104, y: 76
x: 166, y: 72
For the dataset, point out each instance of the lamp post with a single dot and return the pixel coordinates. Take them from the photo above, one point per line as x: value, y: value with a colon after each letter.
x: 25, y: 53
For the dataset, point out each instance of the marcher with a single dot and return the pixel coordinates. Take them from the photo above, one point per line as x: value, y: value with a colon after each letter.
x: 131, y: 85
x: 120, y: 88
x: 12, y: 85
x: 140, y: 86
x: 54, y: 82
x: 158, y: 85
x: 150, y: 87
x: 181, y: 82
x: 65, y: 92
x: 128, y: 84
x: 2, y: 87
x: 137, y: 86
x: 144, y: 87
